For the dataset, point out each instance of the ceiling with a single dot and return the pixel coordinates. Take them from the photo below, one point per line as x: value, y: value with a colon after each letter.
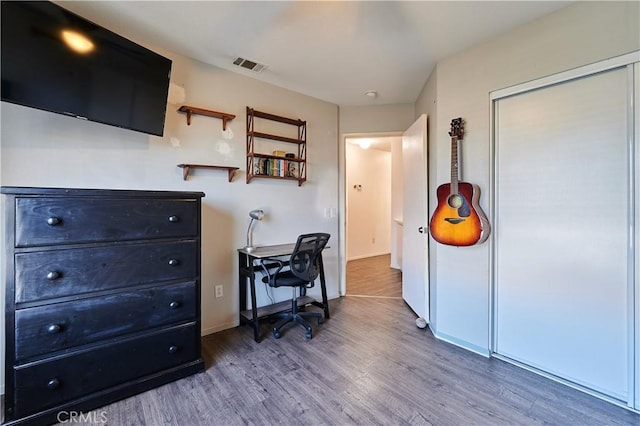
x: 330, y: 50
x: 381, y: 143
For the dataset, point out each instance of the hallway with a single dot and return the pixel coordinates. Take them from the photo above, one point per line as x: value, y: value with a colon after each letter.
x: 372, y: 277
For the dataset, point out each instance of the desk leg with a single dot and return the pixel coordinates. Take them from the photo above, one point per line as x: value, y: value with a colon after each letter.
x: 242, y: 283
x: 246, y: 271
x: 255, y: 322
x: 323, y: 287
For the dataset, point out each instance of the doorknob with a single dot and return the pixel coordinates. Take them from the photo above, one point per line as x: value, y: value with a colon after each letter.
x: 421, y: 230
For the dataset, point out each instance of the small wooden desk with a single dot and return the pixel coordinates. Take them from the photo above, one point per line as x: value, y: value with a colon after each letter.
x: 246, y: 275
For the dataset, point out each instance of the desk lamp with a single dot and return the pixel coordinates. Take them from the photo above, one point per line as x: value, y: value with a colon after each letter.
x: 254, y: 215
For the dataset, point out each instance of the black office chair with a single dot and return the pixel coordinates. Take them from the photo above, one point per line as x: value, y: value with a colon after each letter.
x: 301, y: 271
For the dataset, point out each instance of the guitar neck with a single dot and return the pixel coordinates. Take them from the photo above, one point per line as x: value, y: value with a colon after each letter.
x: 454, y: 165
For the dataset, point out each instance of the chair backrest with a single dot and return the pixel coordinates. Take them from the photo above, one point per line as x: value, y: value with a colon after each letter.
x: 304, y: 259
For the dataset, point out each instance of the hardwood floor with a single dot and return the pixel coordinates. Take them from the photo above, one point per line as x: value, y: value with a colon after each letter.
x: 372, y: 276
x: 367, y: 365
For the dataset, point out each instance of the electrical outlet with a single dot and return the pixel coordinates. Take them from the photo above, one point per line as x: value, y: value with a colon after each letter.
x: 219, y: 291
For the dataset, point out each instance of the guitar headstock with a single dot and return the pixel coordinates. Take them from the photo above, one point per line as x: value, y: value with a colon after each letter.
x: 457, y: 128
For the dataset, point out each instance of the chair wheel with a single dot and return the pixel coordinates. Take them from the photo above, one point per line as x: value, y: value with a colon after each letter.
x: 308, y: 336
x: 276, y: 334
x: 320, y: 321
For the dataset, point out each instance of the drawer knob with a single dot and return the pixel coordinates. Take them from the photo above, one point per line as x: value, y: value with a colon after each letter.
x: 53, y: 221
x: 173, y: 349
x: 174, y: 305
x: 174, y: 262
x: 54, y: 328
x: 174, y: 219
x: 53, y: 383
x: 53, y: 275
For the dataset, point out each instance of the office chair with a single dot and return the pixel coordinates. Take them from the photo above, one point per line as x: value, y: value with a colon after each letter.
x: 301, y: 271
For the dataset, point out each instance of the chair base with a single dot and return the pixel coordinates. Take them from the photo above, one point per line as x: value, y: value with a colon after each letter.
x: 297, y: 317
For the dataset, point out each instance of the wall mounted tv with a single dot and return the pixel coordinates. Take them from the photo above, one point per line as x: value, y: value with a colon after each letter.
x: 55, y: 60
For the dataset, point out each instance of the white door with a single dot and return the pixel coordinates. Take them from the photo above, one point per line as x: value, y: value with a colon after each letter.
x: 415, y: 285
x: 562, y: 216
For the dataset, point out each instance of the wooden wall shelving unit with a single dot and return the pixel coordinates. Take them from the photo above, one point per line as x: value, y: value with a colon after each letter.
x: 254, y: 158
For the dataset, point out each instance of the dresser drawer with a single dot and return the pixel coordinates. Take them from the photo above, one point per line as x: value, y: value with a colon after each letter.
x: 64, y: 272
x: 58, y: 326
x: 60, y: 220
x: 46, y: 384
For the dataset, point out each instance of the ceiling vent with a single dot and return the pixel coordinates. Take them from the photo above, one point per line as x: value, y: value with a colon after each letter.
x: 250, y: 65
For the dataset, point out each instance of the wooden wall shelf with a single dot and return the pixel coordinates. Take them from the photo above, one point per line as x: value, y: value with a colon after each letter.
x: 189, y: 110
x: 186, y: 167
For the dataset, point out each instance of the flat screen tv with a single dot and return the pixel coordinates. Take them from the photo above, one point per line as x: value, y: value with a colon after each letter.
x: 57, y: 61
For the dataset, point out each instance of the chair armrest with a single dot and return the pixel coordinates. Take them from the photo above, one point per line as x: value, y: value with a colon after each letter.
x: 268, y: 264
x: 273, y: 263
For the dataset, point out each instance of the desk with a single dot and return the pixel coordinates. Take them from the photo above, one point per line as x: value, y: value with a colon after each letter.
x: 246, y: 275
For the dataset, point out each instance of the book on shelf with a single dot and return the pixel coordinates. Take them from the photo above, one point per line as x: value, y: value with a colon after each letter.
x: 275, y: 167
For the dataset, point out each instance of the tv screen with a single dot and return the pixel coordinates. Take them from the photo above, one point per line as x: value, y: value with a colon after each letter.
x: 55, y: 60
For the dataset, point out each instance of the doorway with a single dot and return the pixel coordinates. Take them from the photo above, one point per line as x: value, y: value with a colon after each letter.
x: 373, y: 277
x: 373, y: 194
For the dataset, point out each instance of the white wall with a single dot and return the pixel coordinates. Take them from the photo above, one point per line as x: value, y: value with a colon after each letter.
x: 368, y: 202
x: 583, y: 33
x: 376, y: 118
x: 45, y: 149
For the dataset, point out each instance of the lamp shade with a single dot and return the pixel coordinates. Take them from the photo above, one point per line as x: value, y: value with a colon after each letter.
x: 256, y: 214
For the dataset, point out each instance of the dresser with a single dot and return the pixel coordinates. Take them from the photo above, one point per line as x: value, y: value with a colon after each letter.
x: 102, y: 296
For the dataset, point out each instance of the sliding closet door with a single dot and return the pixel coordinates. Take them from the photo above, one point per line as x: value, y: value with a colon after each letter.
x: 562, y: 230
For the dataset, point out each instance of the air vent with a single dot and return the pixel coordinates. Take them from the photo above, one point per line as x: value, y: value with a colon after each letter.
x: 250, y: 65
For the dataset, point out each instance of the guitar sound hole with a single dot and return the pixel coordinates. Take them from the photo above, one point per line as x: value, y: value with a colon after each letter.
x: 455, y: 201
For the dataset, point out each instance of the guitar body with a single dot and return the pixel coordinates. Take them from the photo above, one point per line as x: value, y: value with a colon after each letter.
x: 458, y: 219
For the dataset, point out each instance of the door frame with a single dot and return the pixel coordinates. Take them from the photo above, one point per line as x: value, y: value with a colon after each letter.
x: 342, y: 196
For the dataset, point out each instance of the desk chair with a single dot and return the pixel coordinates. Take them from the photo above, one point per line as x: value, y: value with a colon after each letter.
x: 300, y: 273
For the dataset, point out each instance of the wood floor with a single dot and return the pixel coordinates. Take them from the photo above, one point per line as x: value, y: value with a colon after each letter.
x: 367, y: 365
x: 373, y: 276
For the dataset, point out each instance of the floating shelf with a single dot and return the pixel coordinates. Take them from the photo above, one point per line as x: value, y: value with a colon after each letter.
x: 186, y: 167
x: 189, y: 110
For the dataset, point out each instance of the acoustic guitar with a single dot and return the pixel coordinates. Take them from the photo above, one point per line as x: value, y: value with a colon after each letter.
x: 458, y: 219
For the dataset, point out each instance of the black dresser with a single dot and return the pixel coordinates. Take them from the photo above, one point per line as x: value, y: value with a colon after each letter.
x: 102, y: 296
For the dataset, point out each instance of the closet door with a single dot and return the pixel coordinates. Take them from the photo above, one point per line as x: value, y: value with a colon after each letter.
x: 562, y: 234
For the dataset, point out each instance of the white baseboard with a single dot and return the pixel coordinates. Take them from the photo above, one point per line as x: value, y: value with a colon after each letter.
x: 218, y: 327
